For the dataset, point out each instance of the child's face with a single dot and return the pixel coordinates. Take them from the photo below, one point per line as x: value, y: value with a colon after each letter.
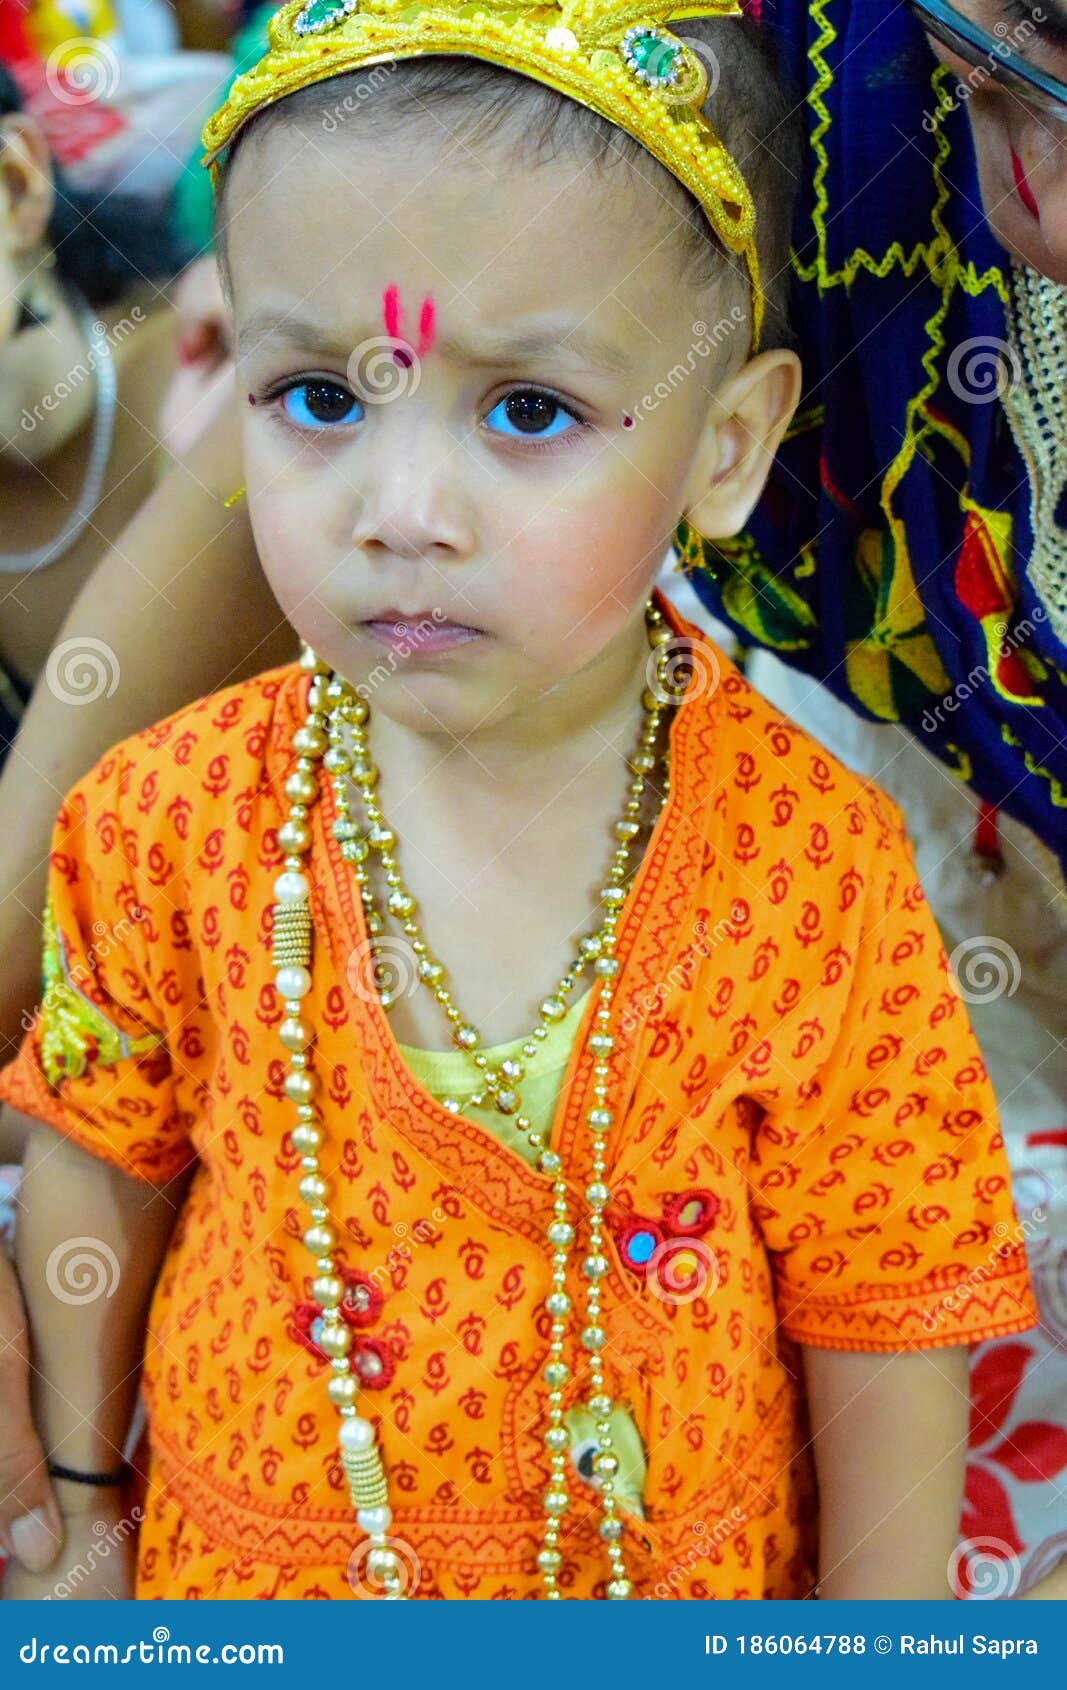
x: 505, y: 491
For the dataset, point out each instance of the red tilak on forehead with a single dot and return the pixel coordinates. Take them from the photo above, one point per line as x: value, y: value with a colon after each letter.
x: 391, y: 312
x: 427, y: 323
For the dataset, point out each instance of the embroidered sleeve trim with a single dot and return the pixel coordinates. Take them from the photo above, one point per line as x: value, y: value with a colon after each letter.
x: 945, y: 1309
x: 74, y: 1031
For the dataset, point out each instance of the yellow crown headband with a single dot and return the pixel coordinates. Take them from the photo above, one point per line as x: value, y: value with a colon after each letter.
x: 613, y: 56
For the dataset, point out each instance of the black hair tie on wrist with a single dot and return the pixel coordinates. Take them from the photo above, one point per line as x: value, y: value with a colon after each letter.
x: 55, y: 1471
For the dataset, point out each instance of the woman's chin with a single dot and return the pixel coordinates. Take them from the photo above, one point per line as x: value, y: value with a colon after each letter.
x: 1012, y: 221
x: 1020, y: 235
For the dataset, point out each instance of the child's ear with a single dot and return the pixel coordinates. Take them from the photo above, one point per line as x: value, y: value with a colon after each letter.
x: 27, y: 194
x: 748, y: 416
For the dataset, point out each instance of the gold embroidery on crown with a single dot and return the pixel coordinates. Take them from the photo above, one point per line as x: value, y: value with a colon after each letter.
x: 593, y: 51
x: 74, y: 1031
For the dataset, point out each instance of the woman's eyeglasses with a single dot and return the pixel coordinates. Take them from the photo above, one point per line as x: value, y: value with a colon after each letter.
x: 997, y: 55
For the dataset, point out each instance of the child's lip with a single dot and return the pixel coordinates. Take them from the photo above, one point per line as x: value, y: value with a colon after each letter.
x: 1022, y: 184
x: 416, y: 619
x: 420, y: 639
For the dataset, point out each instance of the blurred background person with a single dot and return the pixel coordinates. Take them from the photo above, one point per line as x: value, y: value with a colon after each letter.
x: 121, y: 535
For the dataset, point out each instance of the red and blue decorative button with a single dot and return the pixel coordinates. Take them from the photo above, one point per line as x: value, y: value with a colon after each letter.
x: 690, y: 1214
x: 361, y: 1303
x: 370, y: 1359
x: 638, y: 1240
x: 686, y: 1214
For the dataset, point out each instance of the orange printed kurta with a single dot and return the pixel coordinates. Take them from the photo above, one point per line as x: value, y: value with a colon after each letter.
x: 803, y: 1127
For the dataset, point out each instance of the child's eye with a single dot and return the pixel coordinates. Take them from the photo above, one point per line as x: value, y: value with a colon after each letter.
x: 529, y: 413
x: 320, y: 404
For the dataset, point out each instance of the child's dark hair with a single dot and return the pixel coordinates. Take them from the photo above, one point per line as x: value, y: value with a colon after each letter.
x: 747, y: 102
x: 104, y: 244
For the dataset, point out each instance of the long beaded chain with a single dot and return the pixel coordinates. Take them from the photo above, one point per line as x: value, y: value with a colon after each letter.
x: 321, y: 736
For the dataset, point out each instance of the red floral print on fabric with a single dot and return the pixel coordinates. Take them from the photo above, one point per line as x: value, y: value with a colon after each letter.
x: 813, y: 1069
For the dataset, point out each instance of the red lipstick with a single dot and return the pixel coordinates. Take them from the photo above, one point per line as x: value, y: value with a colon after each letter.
x: 1022, y: 185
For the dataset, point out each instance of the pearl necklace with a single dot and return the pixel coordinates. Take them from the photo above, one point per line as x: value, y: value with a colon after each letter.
x: 1035, y: 403
x: 321, y: 737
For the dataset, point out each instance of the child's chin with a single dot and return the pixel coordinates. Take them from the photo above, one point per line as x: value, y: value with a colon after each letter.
x: 433, y: 702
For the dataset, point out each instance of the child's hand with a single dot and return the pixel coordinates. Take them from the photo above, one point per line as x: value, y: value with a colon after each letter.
x: 97, y: 1561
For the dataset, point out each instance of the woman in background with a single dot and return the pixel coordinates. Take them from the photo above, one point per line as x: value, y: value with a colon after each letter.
x: 908, y: 570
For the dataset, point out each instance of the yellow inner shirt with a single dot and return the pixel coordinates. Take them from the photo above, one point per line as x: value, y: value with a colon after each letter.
x: 447, y: 1073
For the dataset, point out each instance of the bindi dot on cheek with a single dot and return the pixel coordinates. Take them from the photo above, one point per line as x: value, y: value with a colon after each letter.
x: 627, y: 420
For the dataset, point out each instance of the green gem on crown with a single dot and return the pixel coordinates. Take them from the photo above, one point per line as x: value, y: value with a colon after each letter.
x: 654, y: 58
x: 322, y: 15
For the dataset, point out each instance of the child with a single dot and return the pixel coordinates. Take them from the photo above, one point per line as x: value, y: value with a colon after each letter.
x: 512, y: 1202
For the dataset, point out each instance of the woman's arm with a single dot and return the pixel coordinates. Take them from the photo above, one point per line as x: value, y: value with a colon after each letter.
x: 13, y: 1130
x: 890, y: 1439
x: 30, y: 1523
x: 89, y: 1247
x: 181, y: 604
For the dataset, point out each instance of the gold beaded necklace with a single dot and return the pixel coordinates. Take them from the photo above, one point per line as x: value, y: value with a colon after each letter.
x: 331, y: 706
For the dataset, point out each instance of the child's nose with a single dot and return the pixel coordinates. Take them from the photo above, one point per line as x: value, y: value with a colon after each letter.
x: 411, y: 497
